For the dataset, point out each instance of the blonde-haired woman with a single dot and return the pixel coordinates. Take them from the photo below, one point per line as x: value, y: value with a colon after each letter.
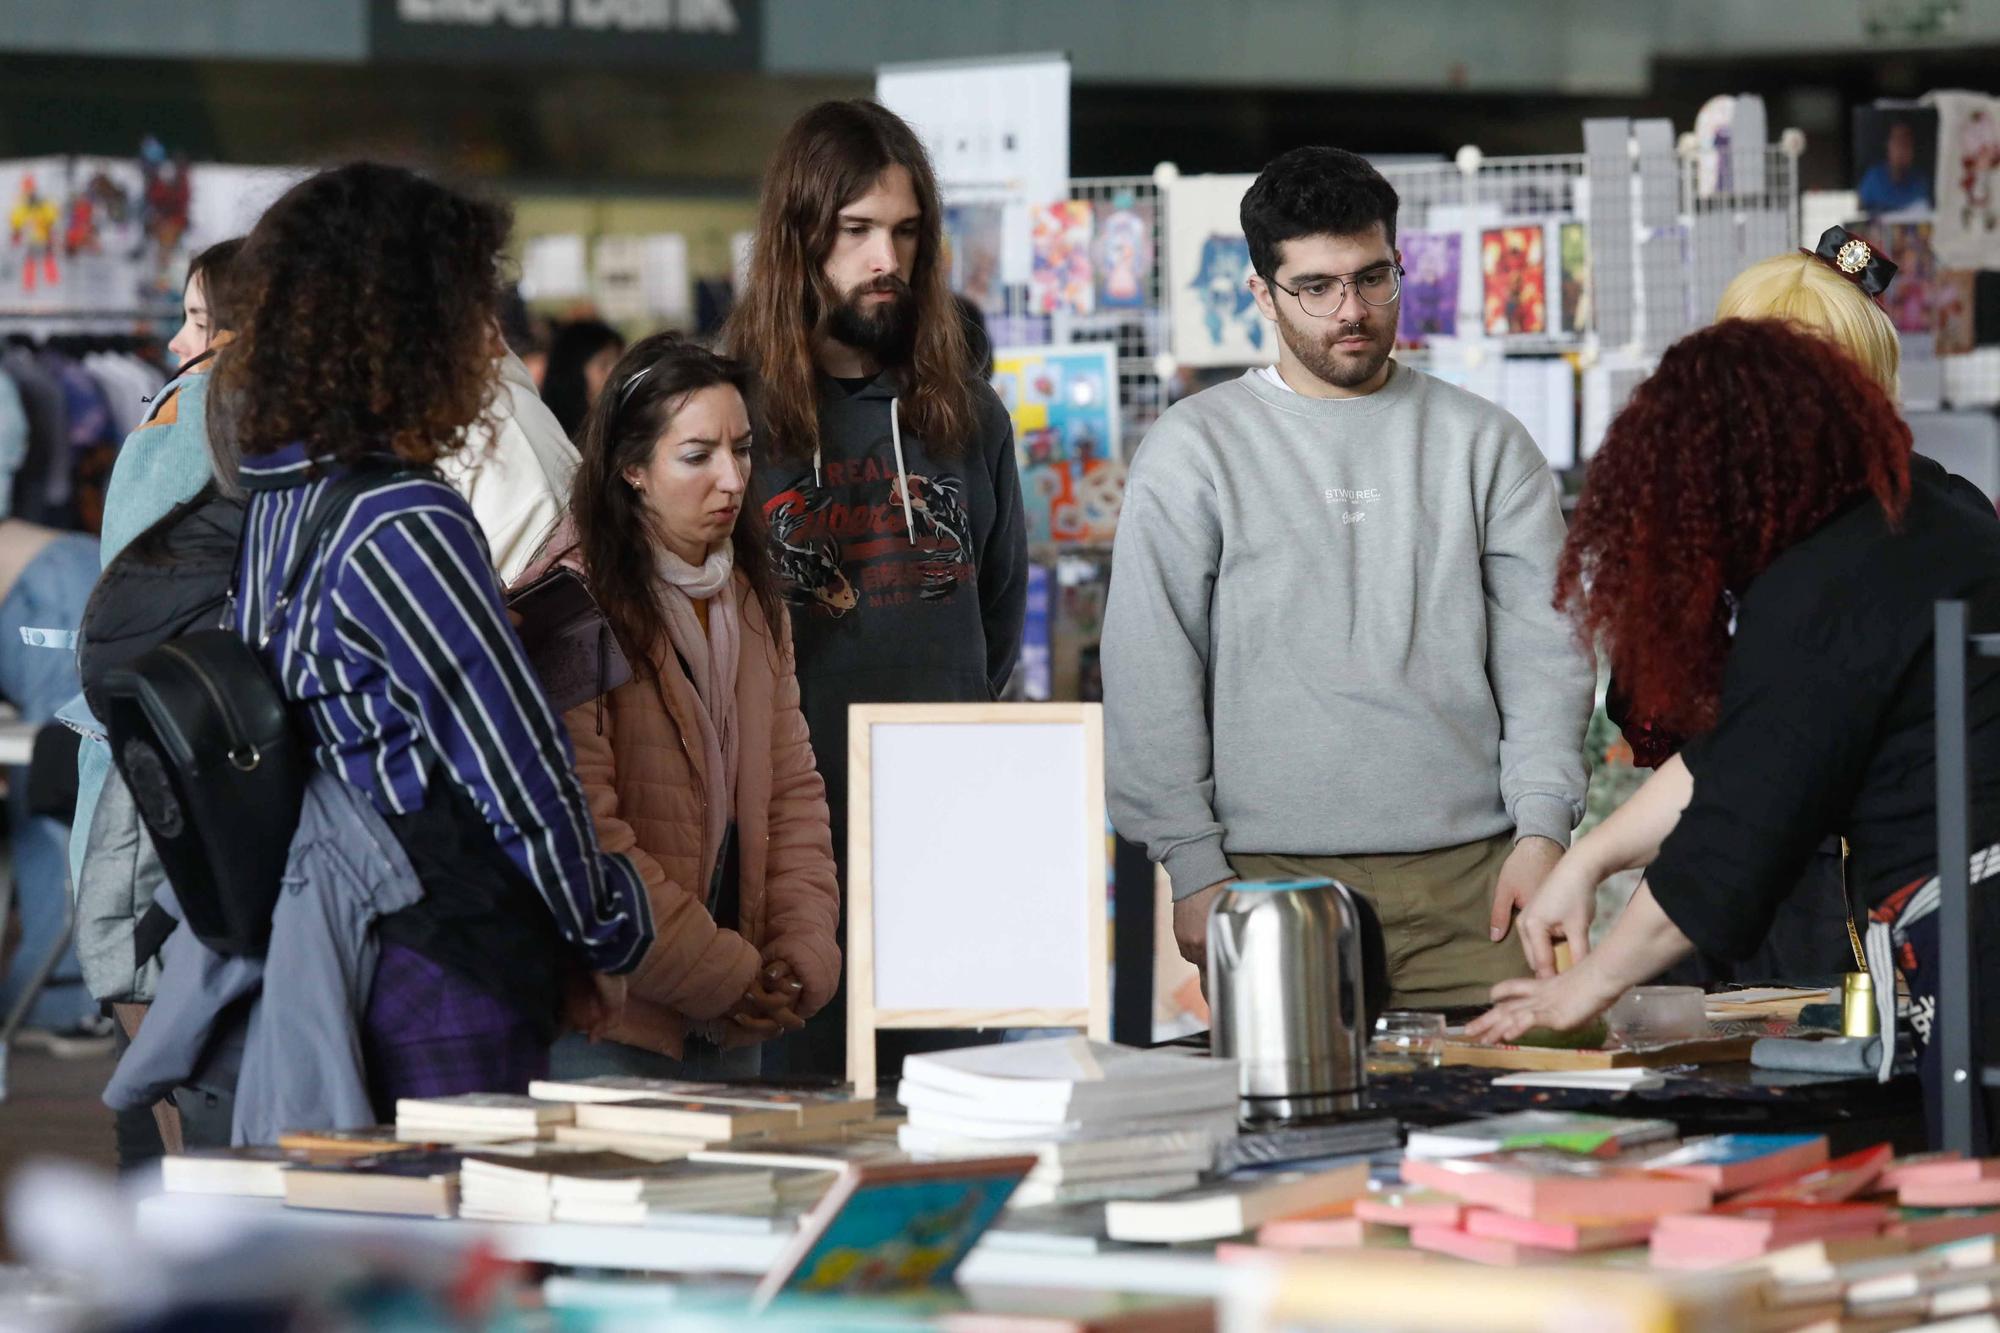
x: 1832, y: 290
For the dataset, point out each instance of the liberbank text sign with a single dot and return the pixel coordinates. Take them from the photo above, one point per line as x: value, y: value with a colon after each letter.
x: 683, y: 34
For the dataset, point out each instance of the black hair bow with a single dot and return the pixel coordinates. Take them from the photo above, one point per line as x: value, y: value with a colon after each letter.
x: 1858, y: 260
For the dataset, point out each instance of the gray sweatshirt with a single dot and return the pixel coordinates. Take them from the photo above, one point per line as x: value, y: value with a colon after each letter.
x: 1331, y: 631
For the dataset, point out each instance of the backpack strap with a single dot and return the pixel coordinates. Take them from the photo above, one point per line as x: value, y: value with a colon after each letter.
x: 333, y: 503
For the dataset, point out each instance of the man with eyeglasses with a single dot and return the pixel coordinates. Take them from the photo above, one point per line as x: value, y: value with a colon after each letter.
x: 1330, y: 648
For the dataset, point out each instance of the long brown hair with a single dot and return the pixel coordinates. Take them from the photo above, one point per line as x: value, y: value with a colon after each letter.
x: 613, y: 527
x: 831, y: 156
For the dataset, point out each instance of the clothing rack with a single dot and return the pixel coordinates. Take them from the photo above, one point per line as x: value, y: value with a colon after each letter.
x: 1956, y: 1022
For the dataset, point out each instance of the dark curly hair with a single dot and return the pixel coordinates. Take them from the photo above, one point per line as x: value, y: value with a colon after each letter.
x: 1313, y: 192
x: 367, y: 296
x: 1749, y: 436
x: 613, y: 527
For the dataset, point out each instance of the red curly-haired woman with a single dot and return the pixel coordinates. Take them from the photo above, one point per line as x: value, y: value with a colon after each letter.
x: 1758, y: 558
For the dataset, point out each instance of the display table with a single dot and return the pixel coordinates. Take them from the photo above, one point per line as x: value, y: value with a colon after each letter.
x: 162, y: 1217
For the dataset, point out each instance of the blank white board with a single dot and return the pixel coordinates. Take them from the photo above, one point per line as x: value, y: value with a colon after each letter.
x: 977, y: 891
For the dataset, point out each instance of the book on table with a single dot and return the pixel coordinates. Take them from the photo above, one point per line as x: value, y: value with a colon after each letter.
x: 1733, y: 1162
x: 1706, y: 1240
x: 1560, y: 1185
x: 1065, y: 1079
x: 716, y: 1122
x: 1410, y: 1208
x: 1832, y: 1182
x: 253, y: 1173
x: 1562, y: 1131
x: 418, y: 1183
x: 366, y: 1142
x: 894, y: 1226
x: 812, y: 1109
x: 478, y: 1113
x: 1232, y: 1207
x: 1579, y: 1235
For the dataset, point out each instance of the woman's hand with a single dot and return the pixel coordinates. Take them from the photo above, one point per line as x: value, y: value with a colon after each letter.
x: 1561, y: 1003
x: 1561, y: 910
x: 768, y: 1006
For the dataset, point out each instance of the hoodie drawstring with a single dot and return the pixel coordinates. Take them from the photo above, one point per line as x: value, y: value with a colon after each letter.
x: 902, y: 477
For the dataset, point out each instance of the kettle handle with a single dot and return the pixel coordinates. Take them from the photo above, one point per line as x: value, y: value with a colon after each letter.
x: 1223, y: 949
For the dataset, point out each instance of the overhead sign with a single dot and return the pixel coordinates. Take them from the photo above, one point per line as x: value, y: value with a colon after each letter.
x: 657, y: 34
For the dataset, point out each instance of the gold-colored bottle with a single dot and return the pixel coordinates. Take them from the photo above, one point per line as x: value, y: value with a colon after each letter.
x: 1857, y: 1005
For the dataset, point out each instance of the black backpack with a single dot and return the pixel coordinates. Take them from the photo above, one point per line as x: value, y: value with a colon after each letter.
x: 209, y: 748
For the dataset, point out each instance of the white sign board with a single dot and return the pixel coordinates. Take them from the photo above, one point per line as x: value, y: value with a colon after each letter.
x: 976, y: 870
x: 996, y: 131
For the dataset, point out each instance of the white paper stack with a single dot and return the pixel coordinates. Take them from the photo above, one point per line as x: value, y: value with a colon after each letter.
x: 1107, y: 1122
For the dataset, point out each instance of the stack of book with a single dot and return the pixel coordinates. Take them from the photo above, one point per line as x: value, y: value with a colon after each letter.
x: 478, y: 1117
x: 1105, y: 1122
x: 1233, y: 1207
x: 665, y: 1119
x: 606, y: 1188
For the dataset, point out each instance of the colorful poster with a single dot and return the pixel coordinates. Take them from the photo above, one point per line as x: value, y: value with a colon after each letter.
x: 1062, y: 279
x: 1073, y: 502
x: 972, y: 240
x: 114, y: 234
x: 1064, y: 401
x: 1911, y: 298
x: 1956, y: 326
x: 1514, y: 273
x: 1575, y: 258
x: 1968, y: 180
x: 1215, y: 318
x: 1123, y: 252
x: 1431, y: 278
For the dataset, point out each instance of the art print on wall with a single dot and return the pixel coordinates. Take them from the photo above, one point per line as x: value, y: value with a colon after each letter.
x: 1062, y: 280
x: 1513, y: 268
x: 972, y: 239
x: 1063, y: 401
x: 1431, y: 278
x: 1574, y: 253
x: 1123, y: 251
x: 1912, y: 298
x: 1215, y: 318
x: 1968, y: 180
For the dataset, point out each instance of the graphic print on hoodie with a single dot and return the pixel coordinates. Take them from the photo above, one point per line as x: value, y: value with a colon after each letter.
x: 915, y: 539
x: 906, y: 570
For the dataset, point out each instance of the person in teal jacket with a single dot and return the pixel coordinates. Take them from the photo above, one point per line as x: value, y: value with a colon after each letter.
x: 162, y: 463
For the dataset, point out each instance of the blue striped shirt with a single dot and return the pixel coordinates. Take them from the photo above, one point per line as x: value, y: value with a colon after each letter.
x: 398, y: 648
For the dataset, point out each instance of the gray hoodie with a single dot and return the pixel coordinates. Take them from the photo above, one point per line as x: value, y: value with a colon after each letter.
x: 1331, y: 632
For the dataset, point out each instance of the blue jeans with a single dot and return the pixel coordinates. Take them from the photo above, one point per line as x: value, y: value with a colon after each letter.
x: 576, y: 1056
x: 49, y: 594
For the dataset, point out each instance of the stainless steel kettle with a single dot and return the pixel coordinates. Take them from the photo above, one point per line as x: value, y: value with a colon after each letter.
x: 1287, y: 994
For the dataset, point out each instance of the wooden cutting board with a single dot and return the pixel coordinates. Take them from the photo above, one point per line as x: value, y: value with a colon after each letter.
x: 1715, y: 1049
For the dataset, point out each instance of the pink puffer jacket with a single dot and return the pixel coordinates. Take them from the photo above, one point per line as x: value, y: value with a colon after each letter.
x: 646, y: 786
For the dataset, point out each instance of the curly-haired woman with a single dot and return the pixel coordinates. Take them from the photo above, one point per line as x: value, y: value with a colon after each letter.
x: 369, y: 343
x: 700, y: 765
x: 1759, y: 560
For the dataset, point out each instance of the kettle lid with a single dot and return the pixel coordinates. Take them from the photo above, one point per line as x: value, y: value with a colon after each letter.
x: 1278, y: 885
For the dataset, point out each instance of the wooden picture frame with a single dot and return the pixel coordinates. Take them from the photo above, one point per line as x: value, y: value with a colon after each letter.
x: 1071, y: 989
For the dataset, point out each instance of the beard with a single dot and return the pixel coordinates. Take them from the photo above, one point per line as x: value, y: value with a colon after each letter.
x: 888, y: 331
x: 1340, y: 367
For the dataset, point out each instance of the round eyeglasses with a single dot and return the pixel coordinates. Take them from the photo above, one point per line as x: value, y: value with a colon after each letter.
x: 1320, y: 297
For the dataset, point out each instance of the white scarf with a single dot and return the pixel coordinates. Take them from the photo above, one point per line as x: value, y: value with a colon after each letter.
x: 713, y: 659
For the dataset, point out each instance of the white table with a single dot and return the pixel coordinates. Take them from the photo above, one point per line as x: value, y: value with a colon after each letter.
x: 164, y: 1218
